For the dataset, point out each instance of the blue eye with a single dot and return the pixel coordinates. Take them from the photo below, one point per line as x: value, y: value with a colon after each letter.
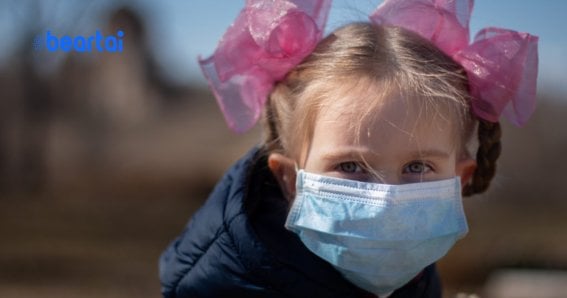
x: 417, y: 168
x: 349, y: 167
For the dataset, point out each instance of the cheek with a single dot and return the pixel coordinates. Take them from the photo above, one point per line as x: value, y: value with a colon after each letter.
x: 445, y: 168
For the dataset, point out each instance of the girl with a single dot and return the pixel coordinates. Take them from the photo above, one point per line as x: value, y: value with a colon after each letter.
x: 356, y: 188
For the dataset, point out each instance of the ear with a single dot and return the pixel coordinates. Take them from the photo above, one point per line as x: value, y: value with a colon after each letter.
x: 283, y: 169
x: 465, y: 169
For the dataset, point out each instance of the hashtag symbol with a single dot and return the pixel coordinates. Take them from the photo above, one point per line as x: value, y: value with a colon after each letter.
x: 37, y: 43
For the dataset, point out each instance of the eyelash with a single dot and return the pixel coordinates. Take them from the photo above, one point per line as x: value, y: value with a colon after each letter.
x: 406, y: 170
x: 358, y: 169
x: 428, y: 168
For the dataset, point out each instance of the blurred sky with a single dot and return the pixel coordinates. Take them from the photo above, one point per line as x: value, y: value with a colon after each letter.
x: 180, y: 30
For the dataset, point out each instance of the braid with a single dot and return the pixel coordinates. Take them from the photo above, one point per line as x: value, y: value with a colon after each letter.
x: 488, y: 152
x: 271, y: 131
x: 271, y: 134
x: 276, y: 115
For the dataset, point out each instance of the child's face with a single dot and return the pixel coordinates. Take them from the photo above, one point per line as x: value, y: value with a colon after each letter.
x: 398, y: 142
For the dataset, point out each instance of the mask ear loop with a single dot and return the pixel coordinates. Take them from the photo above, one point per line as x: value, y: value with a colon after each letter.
x: 298, y: 170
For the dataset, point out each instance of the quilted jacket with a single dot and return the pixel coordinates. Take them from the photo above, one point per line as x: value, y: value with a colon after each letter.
x: 236, y: 245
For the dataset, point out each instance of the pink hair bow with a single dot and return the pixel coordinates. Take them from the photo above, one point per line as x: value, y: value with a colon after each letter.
x: 501, y: 64
x: 265, y: 42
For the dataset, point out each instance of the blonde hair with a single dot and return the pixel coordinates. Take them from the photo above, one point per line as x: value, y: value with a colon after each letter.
x: 392, y: 58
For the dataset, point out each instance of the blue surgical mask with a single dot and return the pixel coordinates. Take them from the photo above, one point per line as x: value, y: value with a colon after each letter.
x: 378, y: 236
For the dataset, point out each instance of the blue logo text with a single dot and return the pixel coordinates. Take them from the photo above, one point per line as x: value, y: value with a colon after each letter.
x: 79, y: 43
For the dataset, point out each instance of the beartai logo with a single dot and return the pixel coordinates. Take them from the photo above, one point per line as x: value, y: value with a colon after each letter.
x: 79, y: 43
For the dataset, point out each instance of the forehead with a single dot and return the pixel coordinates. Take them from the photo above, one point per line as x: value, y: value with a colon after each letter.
x: 383, y: 120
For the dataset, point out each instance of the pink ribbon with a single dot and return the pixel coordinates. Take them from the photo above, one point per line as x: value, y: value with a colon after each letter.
x: 501, y: 64
x: 265, y: 42
x: 270, y: 37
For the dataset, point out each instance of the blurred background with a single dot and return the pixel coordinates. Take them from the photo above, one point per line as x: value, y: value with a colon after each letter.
x: 104, y: 156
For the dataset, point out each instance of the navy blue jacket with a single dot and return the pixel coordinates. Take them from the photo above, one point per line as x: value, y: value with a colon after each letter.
x: 236, y: 246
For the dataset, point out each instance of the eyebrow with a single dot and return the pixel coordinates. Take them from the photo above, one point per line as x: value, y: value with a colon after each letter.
x: 430, y: 153
x: 356, y: 152
x: 345, y: 152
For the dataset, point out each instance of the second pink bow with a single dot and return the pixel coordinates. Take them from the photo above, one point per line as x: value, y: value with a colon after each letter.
x: 501, y: 64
